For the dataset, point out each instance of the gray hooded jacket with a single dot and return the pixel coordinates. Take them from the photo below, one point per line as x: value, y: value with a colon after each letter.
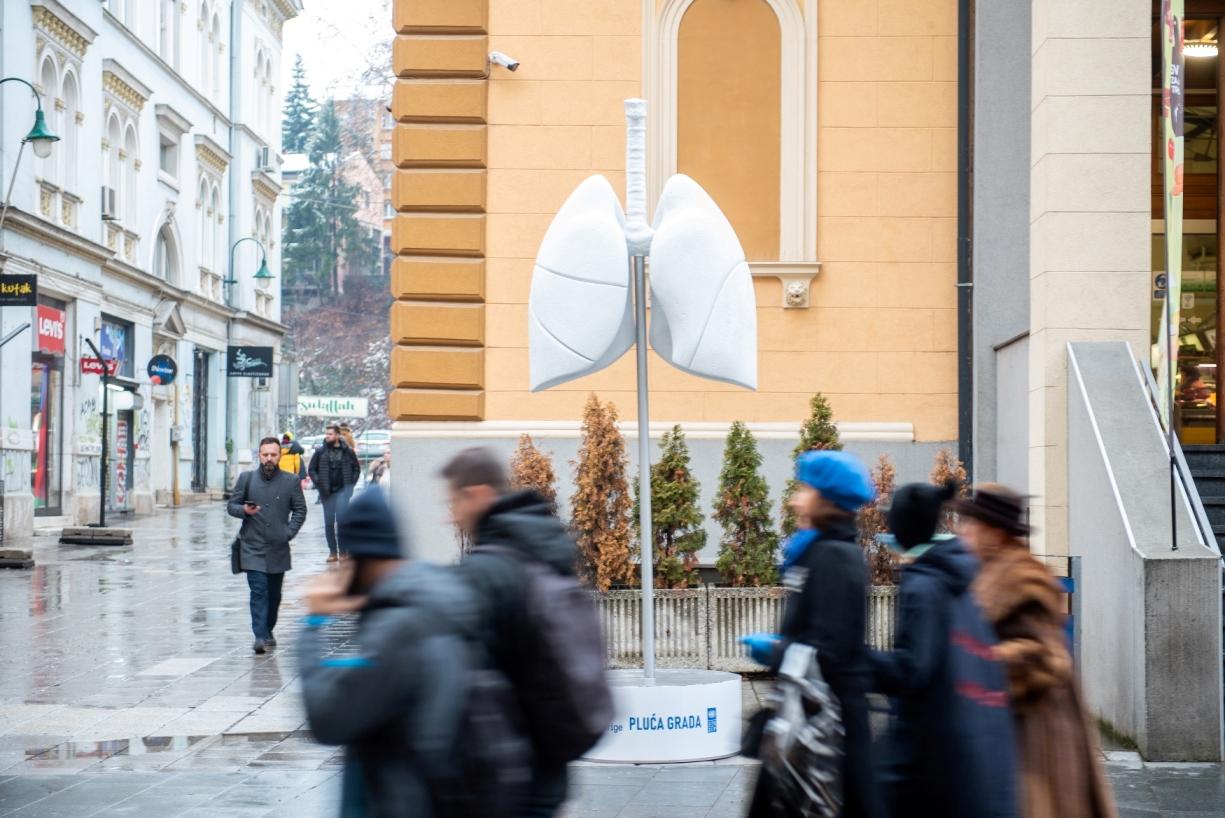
x: 396, y: 705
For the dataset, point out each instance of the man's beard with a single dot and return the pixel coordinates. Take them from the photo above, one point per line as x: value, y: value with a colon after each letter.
x: 268, y: 469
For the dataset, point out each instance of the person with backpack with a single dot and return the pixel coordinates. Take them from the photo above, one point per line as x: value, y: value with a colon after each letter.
x: 334, y: 471
x: 826, y: 608
x: 429, y: 731
x: 540, y: 624
x: 950, y: 747
x: 293, y: 457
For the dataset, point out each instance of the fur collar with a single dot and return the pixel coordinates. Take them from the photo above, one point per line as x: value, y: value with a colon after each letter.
x: 1012, y: 579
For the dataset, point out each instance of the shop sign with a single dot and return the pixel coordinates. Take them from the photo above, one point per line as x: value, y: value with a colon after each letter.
x: 93, y: 366
x: 18, y: 290
x: 162, y: 370
x: 49, y: 326
x: 120, y: 485
x: 248, y: 362
x: 332, y: 407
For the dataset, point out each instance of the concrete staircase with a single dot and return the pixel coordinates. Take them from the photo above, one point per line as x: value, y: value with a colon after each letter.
x: 1207, y: 464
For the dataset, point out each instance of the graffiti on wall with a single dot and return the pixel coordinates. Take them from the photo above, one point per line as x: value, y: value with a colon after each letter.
x: 89, y: 427
x: 87, y: 472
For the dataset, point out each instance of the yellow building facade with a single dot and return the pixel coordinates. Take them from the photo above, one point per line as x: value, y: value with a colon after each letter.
x: 827, y: 132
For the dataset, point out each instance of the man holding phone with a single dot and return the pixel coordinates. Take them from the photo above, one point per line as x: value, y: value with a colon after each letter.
x: 270, y: 504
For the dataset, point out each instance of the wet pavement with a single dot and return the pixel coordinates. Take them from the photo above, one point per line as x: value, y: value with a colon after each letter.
x: 128, y: 687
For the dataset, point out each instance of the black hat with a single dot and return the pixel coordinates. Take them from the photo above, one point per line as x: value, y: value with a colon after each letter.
x: 367, y: 528
x: 997, y: 506
x: 914, y: 512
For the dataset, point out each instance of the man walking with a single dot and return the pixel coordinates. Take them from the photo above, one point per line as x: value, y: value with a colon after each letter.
x: 334, y: 471
x: 272, y: 509
x: 293, y: 456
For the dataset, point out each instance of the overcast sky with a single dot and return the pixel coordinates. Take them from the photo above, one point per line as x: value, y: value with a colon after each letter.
x: 339, y: 40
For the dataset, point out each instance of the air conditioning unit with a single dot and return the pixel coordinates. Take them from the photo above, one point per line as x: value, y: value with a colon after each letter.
x: 109, y: 213
x: 263, y: 158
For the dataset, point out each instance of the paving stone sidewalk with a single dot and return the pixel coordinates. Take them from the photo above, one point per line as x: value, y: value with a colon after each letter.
x: 128, y: 687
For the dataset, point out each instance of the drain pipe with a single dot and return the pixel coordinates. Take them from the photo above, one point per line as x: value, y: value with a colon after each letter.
x: 965, y: 235
x: 232, y: 109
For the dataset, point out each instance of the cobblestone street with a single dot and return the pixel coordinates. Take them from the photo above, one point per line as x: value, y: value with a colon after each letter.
x: 129, y: 688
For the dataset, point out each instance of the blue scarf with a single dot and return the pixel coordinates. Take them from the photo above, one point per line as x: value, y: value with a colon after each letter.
x: 797, y: 545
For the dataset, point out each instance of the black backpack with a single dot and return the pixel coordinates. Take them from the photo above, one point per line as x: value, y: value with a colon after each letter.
x: 486, y: 770
x: 564, y: 694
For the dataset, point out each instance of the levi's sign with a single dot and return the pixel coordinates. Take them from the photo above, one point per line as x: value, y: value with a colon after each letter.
x: 49, y: 329
x: 93, y: 366
x: 332, y: 407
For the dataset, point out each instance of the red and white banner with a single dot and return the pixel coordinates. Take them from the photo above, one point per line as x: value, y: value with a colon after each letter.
x: 49, y: 328
x: 93, y: 366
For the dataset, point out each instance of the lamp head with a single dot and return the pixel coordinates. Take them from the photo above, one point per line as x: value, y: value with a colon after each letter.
x: 263, y: 273
x: 40, y: 137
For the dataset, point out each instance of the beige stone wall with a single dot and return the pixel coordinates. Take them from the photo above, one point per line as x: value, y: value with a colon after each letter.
x: 880, y: 336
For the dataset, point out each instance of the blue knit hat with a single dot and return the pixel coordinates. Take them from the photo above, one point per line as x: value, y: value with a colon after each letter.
x: 367, y: 528
x: 839, y: 476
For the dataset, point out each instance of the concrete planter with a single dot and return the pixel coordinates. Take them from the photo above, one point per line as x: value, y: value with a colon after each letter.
x: 700, y: 627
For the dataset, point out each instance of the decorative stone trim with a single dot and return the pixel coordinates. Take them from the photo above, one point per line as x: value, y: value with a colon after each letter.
x: 123, y: 155
x: 60, y: 104
x: 264, y: 188
x: 106, y: 144
x: 79, y: 117
x: 62, y: 26
x: 68, y: 209
x: 796, y: 278
x: 46, y: 196
x: 121, y: 85
x: 136, y: 163
x: 211, y: 155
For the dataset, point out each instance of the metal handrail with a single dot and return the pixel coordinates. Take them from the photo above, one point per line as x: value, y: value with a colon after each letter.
x: 1199, y: 514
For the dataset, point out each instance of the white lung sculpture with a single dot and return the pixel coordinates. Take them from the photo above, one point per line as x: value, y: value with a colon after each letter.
x: 703, y: 310
x: 580, y: 311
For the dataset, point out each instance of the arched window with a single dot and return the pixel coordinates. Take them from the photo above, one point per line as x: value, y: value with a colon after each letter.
x: 717, y: 108
x: 167, y: 29
x: 216, y: 54
x: 49, y: 80
x: 215, y: 233
x: 131, y: 16
x: 166, y: 256
x: 68, y: 132
x: 114, y: 166
x: 130, y: 185
x: 204, y: 233
x: 206, y: 48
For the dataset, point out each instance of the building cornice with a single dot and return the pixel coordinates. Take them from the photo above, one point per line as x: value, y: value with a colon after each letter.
x: 47, y: 233
x: 265, y: 186
x: 212, y: 155
x: 62, y: 25
x: 172, y: 118
x: 121, y: 83
x: 275, y: 327
x: 184, y: 85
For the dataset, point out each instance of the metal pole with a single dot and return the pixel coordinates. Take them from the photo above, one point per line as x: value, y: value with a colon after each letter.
x: 105, y: 434
x: 1171, y: 341
x: 8, y: 196
x: 645, y: 538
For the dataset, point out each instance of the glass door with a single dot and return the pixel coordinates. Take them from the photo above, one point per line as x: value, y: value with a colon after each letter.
x: 46, y: 404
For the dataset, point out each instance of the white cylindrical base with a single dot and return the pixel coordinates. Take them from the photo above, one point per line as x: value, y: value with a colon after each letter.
x: 684, y: 715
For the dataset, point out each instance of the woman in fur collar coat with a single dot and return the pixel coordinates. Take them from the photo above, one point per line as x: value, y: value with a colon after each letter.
x: 1061, y: 774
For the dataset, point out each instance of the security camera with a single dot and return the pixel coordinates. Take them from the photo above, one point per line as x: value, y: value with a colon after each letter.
x: 507, y: 62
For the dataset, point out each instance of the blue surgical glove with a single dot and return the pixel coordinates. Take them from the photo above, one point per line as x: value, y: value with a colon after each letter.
x: 761, y: 646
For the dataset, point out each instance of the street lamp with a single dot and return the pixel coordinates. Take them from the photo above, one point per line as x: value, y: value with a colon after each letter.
x: 40, y: 137
x: 262, y: 277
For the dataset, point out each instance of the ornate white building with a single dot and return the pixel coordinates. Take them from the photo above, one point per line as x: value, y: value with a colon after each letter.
x: 169, y: 122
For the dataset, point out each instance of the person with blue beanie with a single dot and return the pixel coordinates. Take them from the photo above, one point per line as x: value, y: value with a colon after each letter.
x: 826, y: 582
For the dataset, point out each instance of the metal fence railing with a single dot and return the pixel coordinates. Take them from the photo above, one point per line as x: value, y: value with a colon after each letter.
x: 701, y: 627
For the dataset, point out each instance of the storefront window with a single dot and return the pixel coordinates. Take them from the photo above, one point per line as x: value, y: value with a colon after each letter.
x: 117, y: 342
x: 46, y: 405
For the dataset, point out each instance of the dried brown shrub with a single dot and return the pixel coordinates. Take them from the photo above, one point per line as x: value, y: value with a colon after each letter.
x: 947, y: 467
x: 600, y: 505
x: 532, y: 469
x: 882, y: 562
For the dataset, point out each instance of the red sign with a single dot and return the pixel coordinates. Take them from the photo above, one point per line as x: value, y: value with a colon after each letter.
x: 92, y: 366
x: 49, y: 324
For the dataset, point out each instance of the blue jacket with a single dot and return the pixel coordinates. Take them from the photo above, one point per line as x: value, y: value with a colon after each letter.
x: 951, y: 748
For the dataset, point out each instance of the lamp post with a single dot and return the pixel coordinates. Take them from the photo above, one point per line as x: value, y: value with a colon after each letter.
x: 262, y: 276
x: 41, y: 139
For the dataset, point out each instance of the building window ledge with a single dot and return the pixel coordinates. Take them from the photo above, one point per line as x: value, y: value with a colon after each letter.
x: 795, y: 276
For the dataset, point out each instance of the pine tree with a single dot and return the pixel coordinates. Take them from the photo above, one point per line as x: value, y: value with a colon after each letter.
x: 882, y: 563
x: 818, y: 432
x: 531, y: 468
x: 748, y: 548
x: 949, y: 468
x: 299, y: 113
x: 321, y: 225
x: 600, y: 504
x: 676, y: 521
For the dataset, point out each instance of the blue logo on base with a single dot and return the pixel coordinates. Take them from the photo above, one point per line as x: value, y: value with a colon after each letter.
x: 712, y: 720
